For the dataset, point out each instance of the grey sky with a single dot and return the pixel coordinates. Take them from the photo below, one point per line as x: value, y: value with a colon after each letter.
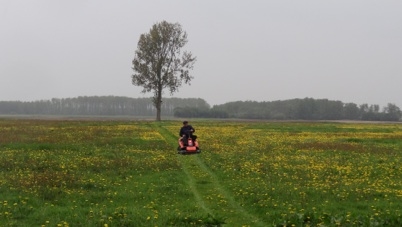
x: 343, y: 50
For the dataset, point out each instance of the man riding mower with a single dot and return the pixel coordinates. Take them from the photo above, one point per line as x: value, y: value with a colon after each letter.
x: 188, y: 143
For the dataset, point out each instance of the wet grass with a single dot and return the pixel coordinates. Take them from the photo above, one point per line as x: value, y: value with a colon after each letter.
x: 127, y: 173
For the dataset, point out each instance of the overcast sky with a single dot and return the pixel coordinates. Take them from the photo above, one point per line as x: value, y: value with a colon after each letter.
x: 263, y: 50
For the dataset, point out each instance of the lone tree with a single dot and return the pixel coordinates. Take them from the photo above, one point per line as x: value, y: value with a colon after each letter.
x: 159, y: 62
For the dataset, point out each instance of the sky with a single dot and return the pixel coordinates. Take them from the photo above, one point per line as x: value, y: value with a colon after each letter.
x: 258, y: 50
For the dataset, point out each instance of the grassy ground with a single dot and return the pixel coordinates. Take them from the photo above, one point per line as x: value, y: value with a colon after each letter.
x: 127, y: 173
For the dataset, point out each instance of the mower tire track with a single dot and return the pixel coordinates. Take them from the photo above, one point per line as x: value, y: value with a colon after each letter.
x: 207, y: 189
x: 171, y: 139
x: 193, y: 187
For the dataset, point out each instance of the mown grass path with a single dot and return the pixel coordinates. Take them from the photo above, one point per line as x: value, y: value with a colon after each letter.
x: 209, y: 193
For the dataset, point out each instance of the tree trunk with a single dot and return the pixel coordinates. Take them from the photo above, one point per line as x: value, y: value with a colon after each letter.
x: 158, y: 103
x: 158, y: 113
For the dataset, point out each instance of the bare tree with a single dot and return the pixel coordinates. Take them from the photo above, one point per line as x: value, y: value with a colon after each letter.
x: 159, y: 62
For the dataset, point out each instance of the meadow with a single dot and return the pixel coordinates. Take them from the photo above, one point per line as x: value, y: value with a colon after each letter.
x: 127, y: 173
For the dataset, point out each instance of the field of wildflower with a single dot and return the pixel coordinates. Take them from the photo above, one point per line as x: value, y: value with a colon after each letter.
x: 128, y: 173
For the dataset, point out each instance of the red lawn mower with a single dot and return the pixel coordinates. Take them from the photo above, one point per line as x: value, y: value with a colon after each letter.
x: 188, y: 145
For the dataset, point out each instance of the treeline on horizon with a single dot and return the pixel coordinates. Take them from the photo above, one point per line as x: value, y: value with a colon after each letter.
x: 293, y: 109
x: 297, y: 109
x: 98, y: 105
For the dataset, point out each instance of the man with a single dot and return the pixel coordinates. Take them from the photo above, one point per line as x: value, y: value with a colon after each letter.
x: 186, y: 131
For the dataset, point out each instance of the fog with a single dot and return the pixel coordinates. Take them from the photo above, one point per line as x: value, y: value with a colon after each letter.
x: 349, y: 51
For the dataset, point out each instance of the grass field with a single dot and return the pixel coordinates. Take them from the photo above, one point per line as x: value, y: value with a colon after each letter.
x: 128, y: 173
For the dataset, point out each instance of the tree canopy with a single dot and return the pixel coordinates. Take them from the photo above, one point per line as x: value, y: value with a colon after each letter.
x: 160, y: 63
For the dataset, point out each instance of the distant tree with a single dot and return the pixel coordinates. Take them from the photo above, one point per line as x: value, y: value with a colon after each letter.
x: 351, y: 111
x: 306, y: 109
x: 159, y: 63
x: 392, y: 113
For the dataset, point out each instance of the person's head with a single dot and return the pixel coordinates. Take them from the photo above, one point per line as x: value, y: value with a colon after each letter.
x: 185, y: 122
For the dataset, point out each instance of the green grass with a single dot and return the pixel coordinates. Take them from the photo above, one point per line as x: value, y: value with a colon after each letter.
x: 127, y: 173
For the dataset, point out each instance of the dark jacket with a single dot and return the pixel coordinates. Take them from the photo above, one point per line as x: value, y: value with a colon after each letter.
x: 186, y: 130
